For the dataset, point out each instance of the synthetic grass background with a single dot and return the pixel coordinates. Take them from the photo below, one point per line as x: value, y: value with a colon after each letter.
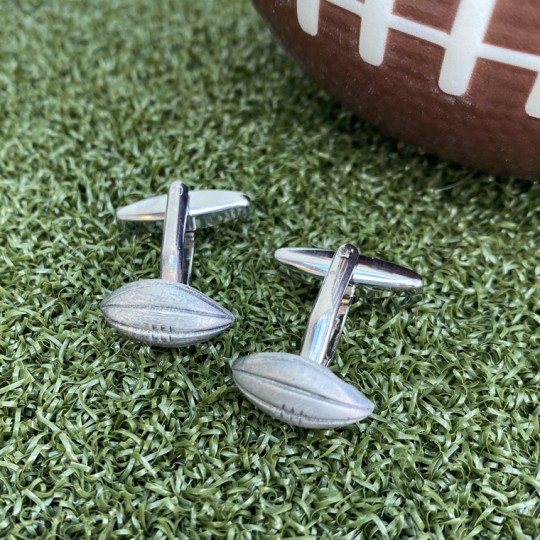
x: 103, y: 103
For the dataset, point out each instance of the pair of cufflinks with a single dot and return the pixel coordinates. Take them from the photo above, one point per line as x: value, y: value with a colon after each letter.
x: 168, y: 312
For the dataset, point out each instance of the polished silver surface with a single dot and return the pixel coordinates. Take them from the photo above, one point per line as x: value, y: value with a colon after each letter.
x: 187, y: 260
x: 298, y: 391
x: 164, y: 313
x: 207, y: 208
x: 331, y: 307
x: 174, y: 231
x: 368, y: 271
x: 167, y: 312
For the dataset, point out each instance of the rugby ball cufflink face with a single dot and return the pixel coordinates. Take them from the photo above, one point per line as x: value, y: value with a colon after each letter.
x: 167, y: 312
x: 300, y: 389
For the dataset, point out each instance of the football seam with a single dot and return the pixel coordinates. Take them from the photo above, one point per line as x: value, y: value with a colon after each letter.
x: 168, y: 310
x: 302, y: 391
x: 146, y: 283
x: 153, y: 332
x: 327, y: 421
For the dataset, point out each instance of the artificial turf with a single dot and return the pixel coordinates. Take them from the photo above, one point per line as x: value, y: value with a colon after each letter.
x: 103, y: 103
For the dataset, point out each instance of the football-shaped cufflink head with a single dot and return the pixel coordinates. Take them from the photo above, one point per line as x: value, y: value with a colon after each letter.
x: 300, y: 389
x: 167, y: 312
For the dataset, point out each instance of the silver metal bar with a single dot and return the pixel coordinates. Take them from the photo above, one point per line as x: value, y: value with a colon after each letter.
x: 207, y: 208
x: 174, y: 232
x: 187, y: 261
x: 331, y: 307
x: 368, y: 271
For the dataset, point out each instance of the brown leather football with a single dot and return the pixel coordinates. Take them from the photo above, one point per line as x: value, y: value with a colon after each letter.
x: 458, y: 78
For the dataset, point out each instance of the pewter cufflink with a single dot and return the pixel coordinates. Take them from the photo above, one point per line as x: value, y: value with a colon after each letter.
x: 300, y: 389
x: 167, y: 312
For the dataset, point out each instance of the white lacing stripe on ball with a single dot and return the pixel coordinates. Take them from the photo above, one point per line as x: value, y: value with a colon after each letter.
x: 463, y: 46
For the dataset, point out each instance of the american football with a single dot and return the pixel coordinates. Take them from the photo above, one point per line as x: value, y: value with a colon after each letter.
x: 457, y: 78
